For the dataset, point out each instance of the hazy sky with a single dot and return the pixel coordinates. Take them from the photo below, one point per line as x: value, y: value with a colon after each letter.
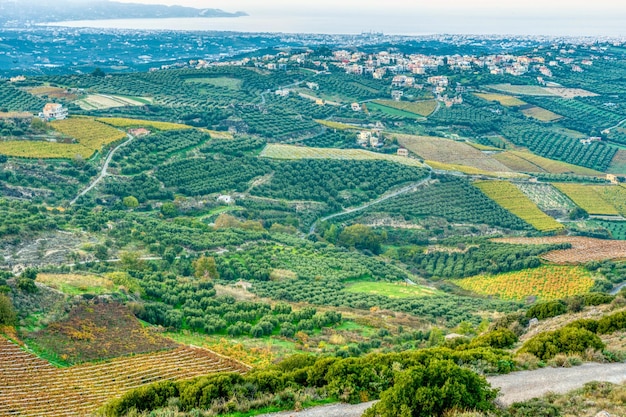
x: 535, y: 8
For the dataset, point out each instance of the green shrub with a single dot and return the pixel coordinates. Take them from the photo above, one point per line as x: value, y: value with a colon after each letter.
x: 612, y: 323
x: 536, y: 407
x: 568, y: 340
x: 498, y: 339
x: 7, y: 312
x: 547, y: 309
x: 433, y: 390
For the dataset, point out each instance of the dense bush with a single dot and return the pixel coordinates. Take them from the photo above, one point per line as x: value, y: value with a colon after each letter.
x: 568, y: 340
x: 547, y: 309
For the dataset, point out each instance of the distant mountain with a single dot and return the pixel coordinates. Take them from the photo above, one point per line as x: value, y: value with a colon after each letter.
x: 21, y: 12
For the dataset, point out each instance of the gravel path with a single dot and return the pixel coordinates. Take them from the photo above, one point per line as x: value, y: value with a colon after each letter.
x: 521, y: 386
x: 517, y: 386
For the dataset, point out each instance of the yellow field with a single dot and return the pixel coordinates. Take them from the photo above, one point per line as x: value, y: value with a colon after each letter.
x: 512, y: 199
x: 588, y: 197
x: 125, y: 122
x: 503, y: 99
x: 449, y: 151
x: 90, y: 134
x: 614, y: 195
x: 540, y: 114
x: 422, y: 108
x: 335, y: 125
x: 472, y: 170
x: 528, y: 162
x: 546, y: 283
x: 75, y: 283
x: 277, y: 151
x: 215, y: 134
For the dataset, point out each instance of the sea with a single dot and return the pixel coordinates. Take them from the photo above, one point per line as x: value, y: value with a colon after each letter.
x: 412, y: 25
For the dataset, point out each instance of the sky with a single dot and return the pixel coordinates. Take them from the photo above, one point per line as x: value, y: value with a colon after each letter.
x: 536, y: 8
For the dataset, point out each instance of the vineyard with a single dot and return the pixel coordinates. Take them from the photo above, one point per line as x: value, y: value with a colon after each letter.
x: 277, y: 151
x: 512, y: 199
x: 420, y: 108
x: 588, y: 197
x: 450, y: 152
x: 545, y: 283
x: 90, y: 134
x: 528, y: 162
x: 126, y: 123
x: 583, y: 249
x: 503, y: 99
x: 31, y: 386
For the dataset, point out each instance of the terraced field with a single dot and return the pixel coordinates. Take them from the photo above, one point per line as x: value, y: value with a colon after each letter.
x: 547, y: 283
x: 31, y: 386
x: 103, y: 102
x: 528, y: 162
x: 509, y: 197
x: 450, y: 152
x: 584, y: 249
x: 277, y: 151
x: 91, y: 136
x: 503, y: 99
x: 589, y: 198
x: 125, y: 122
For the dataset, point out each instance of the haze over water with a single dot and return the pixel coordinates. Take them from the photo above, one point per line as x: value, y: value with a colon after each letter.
x: 426, y: 23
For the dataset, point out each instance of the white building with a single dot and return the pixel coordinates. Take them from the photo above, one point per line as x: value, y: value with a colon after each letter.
x: 53, y: 111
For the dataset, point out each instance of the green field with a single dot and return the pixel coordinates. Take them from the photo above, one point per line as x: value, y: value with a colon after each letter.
x: 276, y: 151
x: 588, y: 197
x: 391, y: 290
x: 390, y: 111
x: 225, y: 82
x: 512, y: 199
x: 421, y: 108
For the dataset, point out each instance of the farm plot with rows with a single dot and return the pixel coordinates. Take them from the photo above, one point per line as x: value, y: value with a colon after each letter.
x: 540, y: 114
x: 546, y: 197
x: 278, y: 151
x: 104, y: 102
x: 125, y: 122
x: 546, y: 283
x: 512, y: 199
x: 528, y: 162
x: 588, y: 197
x: 31, y: 386
x: 614, y: 195
x: 503, y: 99
x: 583, y: 250
x: 421, y: 108
x: 90, y: 135
x: 450, y: 152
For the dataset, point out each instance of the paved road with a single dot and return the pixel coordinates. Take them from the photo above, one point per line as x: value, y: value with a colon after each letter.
x: 517, y: 386
x: 103, y: 171
x: 403, y: 190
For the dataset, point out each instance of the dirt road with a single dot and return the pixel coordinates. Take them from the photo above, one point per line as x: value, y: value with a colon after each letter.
x: 517, y: 386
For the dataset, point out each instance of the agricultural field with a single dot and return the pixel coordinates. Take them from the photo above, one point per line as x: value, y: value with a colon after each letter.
x: 336, y: 125
x: 503, y: 99
x: 614, y: 195
x: 583, y: 249
x: 512, y: 199
x: 54, y: 92
x: 224, y: 82
x: 528, y: 162
x: 126, y: 123
x: 80, y: 390
x: 546, y: 283
x: 588, y: 197
x: 618, y: 164
x: 73, y: 284
x: 450, y: 152
x: 391, y: 290
x: 532, y: 90
x: 616, y: 229
x: 278, y: 151
x: 104, y: 102
x: 90, y: 135
x: 540, y: 114
x: 392, y: 113
x: 421, y: 108
x: 546, y: 197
